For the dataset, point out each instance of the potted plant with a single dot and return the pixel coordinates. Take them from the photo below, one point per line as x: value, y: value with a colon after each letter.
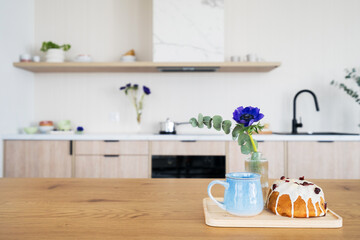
x: 54, y: 52
x: 349, y: 87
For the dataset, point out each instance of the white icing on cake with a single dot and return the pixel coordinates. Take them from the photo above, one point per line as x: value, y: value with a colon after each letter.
x: 295, y: 188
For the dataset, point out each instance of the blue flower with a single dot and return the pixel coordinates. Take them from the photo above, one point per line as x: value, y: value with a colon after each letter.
x: 79, y: 129
x: 136, y: 86
x: 122, y: 88
x: 247, y: 116
x: 146, y: 90
x: 128, y: 85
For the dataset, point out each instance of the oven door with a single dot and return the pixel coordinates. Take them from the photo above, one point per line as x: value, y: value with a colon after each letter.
x: 188, y: 166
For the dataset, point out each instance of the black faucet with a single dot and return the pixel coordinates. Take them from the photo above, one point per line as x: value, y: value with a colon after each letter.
x: 295, y: 125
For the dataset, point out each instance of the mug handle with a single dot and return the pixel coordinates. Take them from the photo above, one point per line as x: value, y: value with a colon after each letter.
x: 225, y: 184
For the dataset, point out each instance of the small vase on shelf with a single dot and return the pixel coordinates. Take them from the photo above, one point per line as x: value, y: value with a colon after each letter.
x: 131, y: 90
x: 256, y: 163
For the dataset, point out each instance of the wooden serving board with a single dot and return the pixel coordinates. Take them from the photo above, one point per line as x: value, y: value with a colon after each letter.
x: 216, y: 217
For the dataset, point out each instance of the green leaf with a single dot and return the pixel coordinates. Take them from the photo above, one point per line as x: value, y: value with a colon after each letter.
x: 245, y: 143
x: 210, y: 123
x: 236, y: 131
x: 50, y: 45
x: 207, y: 121
x: 226, y: 125
x: 256, y: 156
x: 193, y: 122
x: 200, y: 120
x: 243, y: 139
x: 217, y: 120
x: 245, y: 149
x: 66, y: 47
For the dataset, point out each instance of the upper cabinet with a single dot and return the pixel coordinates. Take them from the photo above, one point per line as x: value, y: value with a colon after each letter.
x: 73, y: 67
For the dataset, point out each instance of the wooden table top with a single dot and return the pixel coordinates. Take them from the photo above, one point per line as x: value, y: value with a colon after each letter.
x: 144, y: 209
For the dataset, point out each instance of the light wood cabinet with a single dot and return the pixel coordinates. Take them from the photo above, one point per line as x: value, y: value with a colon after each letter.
x: 335, y: 160
x: 184, y: 148
x: 37, y: 159
x: 111, y: 166
x: 132, y: 159
x: 108, y: 147
x: 274, y: 152
x: 111, y: 159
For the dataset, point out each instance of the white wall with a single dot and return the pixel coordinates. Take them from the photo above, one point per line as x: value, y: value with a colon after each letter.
x: 17, y: 90
x: 314, y: 40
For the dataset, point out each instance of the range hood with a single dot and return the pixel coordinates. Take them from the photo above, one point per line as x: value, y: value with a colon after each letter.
x: 188, y: 31
x: 187, y: 69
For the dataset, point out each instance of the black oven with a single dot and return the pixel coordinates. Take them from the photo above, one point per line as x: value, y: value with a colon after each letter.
x: 188, y: 167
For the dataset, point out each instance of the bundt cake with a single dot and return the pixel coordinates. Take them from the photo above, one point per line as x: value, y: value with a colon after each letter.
x: 296, y: 198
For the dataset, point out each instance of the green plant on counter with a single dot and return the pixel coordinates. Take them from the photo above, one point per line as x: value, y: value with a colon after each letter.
x: 355, y: 77
x: 50, y: 45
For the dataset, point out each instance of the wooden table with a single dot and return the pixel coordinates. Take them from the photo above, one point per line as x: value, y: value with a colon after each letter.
x: 144, y: 209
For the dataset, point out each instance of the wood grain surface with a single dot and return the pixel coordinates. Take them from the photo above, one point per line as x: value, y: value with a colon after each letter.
x: 144, y: 209
x: 44, y: 67
x: 217, y: 217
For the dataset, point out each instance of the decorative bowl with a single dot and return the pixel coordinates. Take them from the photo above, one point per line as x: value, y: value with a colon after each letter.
x: 64, y: 125
x: 128, y: 58
x: 45, y: 129
x: 30, y: 130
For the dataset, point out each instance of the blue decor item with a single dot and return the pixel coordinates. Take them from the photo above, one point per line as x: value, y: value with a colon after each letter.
x: 79, y: 130
x: 247, y: 115
x: 243, y: 194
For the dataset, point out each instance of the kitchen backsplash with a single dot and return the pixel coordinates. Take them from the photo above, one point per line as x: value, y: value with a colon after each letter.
x: 313, y: 50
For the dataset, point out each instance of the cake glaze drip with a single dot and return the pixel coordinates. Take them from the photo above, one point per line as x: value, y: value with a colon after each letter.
x: 295, y: 188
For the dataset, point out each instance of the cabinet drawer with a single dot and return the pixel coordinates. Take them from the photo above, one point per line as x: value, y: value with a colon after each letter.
x: 112, y: 166
x: 111, y: 147
x: 188, y: 148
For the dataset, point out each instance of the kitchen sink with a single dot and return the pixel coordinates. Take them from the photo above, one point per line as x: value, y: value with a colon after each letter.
x: 316, y: 133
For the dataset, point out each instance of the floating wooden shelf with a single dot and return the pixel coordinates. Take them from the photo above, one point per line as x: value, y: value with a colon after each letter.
x: 44, y: 67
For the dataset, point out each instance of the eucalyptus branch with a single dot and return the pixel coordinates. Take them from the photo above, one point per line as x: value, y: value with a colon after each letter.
x: 242, y: 134
x: 355, y: 77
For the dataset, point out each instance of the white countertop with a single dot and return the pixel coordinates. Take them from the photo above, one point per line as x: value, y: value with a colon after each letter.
x: 179, y: 137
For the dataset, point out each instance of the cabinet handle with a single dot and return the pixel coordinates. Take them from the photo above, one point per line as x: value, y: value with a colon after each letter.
x: 71, y: 148
x: 188, y: 141
x: 260, y: 141
x: 113, y: 155
x: 111, y: 140
x: 324, y: 141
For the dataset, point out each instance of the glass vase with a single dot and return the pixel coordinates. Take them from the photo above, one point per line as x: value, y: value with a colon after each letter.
x: 256, y: 163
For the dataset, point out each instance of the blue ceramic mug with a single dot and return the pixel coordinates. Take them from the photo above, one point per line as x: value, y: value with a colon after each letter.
x: 243, y: 195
